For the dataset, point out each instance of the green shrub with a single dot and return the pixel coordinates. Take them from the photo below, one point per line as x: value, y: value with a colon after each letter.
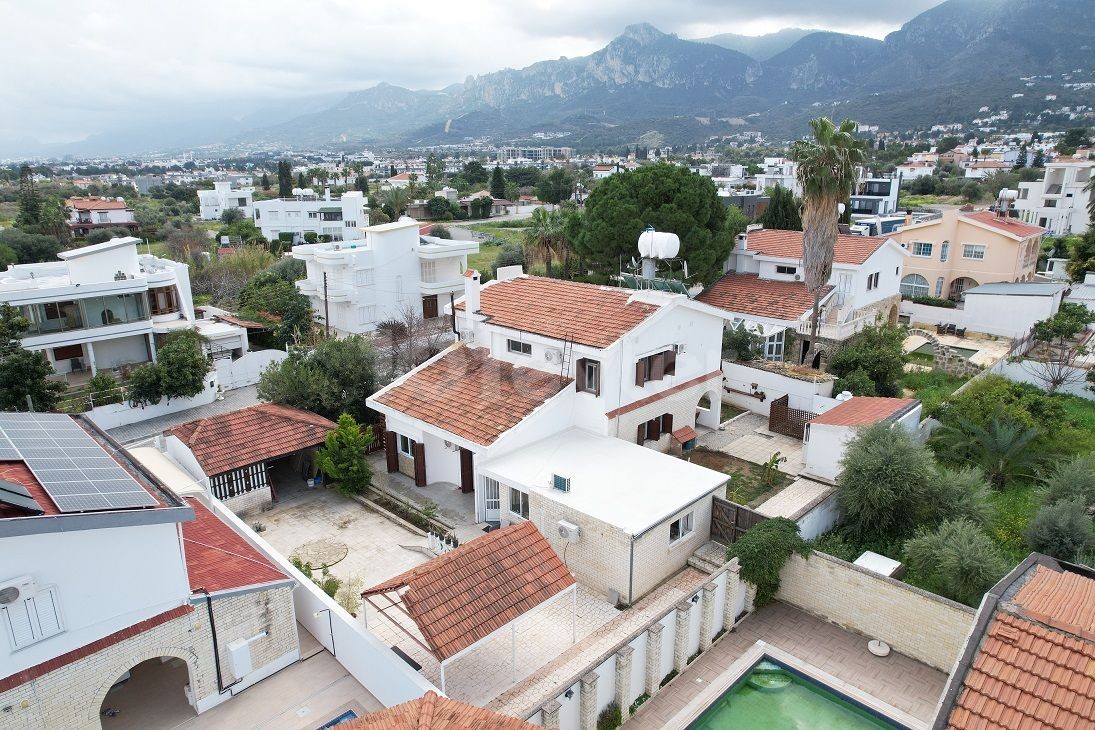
x: 857, y: 382
x: 933, y: 302
x: 639, y: 702
x: 1063, y: 530
x: 878, y: 351
x: 1072, y: 479
x: 104, y: 388
x: 836, y: 544
x: 763, y: 550
x: 610, y: 717
x: 957, y: 560
x: 183, y: 364
x: 741, y: 345
x: 311, y: 236
x: 342, y: 456
x: 1006, y: 450
x: 144, y: 385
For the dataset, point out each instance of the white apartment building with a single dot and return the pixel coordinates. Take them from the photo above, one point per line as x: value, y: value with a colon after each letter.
x: 308, y: 212
x: 779, y: 171
x: 876, y: 195
x: 91, y: 212
x: 225, y: 195
x: 373, y: 277
x: 1058, y: 202
x: 101, y: 306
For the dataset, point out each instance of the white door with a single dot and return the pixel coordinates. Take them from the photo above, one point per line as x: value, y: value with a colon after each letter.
x: 491, y: 503
x: 843, y: 286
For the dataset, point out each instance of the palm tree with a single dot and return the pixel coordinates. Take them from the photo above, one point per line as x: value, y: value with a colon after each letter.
x: 826, y: 172
x: 397, y: 199
x: 1090, y: 190
x: 1004, y: 449
x: 545, y: 238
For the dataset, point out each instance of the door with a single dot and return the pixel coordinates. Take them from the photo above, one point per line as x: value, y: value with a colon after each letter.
x: 491, y: 500
x: 467, y: 482
x: 429, y: 307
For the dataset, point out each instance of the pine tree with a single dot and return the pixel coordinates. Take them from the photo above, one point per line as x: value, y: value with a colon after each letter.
x: 497, y: 183
x: 362, y: 183
x: 1021, y: 160
x: 1039, y: 159
x: 391, y: 171
x: 30, y: 201
x: 300, y: 180
x: 782, y: 211
x: 265, y: 181
x: 285, y: 179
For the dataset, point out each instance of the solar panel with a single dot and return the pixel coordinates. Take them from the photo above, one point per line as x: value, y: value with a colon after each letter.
x: 76, y: 472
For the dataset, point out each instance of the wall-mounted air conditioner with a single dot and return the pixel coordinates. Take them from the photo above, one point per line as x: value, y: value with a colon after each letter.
x: 569, y: 531
x: 553, y: 355
x: 17, y: 589
x: 560, y: 482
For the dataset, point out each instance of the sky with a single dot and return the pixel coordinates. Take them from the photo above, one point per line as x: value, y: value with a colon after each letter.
x: 76, y: 69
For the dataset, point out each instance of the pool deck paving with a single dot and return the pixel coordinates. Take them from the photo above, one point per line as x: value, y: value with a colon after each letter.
x: 897, y: 680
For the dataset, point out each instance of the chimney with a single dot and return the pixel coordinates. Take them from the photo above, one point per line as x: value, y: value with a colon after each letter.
x: 327, y: 194
x: 471, y: 291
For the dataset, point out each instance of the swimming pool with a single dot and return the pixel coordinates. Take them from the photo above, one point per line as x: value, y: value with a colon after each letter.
x: 775, y: 696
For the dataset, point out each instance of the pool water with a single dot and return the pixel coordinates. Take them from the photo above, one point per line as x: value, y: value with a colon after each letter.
x: 772, y: 697
x: 344, y: 717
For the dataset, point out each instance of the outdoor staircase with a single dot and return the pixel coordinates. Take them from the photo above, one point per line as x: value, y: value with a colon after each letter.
x: 709, y: 557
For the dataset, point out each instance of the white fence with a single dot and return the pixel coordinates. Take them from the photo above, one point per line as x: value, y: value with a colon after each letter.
x: 740, y: 381
x: 1023, y: 372
x: 247, y: 369
x: 123, y: 414
x: 366, y: 658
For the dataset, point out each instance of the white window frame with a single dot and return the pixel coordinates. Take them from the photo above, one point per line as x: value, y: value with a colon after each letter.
x: 33, y: 619
x: 906, y: 288
x: 684, y: 526
x: 366, y: 314
x: 944, y: 251
x: 773, y: 346
x: 517, y: 347
x: 939, y: 287
x: 428, y: 271
x: 788, y: 270
x: 922, y: 249
x: 492, y: 495
x: 969, y: 251
x: 522, y: 505
x: 103, y: 217
x: 364, y: 277
x: 410, y: 444
x: 592, y: 376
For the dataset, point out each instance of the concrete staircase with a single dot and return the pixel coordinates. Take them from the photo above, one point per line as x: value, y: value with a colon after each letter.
x: 709, y: 557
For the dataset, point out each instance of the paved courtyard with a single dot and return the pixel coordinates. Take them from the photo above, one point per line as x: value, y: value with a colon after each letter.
x: 897, y: 680
x: 747, y: 437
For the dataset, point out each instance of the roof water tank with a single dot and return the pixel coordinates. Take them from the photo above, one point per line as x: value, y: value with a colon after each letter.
x: 656, y: 245
x: 308, y: 193
x: 297, y: 192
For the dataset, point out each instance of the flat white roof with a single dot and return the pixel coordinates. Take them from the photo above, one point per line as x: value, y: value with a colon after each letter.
x: 620, y: 483
x: 99, y: 247
x: 164, y: 468
x: 394, y: 225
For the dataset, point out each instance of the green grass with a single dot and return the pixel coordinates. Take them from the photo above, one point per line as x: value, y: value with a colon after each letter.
x: 917, y: 201
x: 1012, y: 510
x: 747, y: 485
x: 499, y: 224
x: 484, y: 260
x: 932, y: 387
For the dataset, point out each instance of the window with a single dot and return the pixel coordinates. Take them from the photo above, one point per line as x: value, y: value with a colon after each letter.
x: 103, y: 217
x: 490, y: 494
x: 518, y: 503
x: 773, y: 347
x: 364, y: 277
x: 922, y: 249
x: 162, y: 300
x: 32, y: 619
x: 655, y: 367
x: 312, y: 215
x: 406, y: 445
x: 519, y: 348
x: 429, y: 272
x: 589, y: 376
x: 786, y: 269
x: 366, y: 314
x: 914, y: 285
x: 399, y: 288
x: 973, y: 251
x: 653, y: 429
x: 682, y: 527
x: 273, y: 215
x: 872, y: 281
x: 944, y: 250
x: 939, y: 287
x: 349, y: 224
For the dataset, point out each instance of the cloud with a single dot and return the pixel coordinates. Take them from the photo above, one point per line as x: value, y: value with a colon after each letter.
x: 77, y: 70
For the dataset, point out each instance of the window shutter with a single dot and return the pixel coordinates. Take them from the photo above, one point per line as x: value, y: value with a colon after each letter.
x: 670, y: 362
x: 47, y: 612
x: 419, y: 465
x: 641, y: 435
x: 640, y: 372
x: 19, y: 623
x: 657, y: 366
x: 580, y: 375
x: 667, y: 423
x: 390, y: 446
x: 654, y: 429
x: 597, y: 380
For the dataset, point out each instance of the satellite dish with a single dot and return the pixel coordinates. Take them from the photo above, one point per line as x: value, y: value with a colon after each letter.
x: 656, y: 245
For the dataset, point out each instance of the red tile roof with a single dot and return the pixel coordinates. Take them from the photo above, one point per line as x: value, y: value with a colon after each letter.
x: 250, y: 435
x: 749, y: 294
x: 590, y: 315
x: 218, y: 558
x: 38, y: 670
x: 17, y: 472
x: 433, y: 712
x: 468, y: 393
x: 95, y: 203
x: 468, y: 593
x: 788, y: 245
x: 1012, y: 226
x: 685, y: 434
x: 239, y: 322
x: 862, y: 410
x: 1027, y: 674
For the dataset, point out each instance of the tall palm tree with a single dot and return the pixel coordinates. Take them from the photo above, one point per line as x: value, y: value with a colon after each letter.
x: 545, y: 238
x: 1090, y: 190
x: 826, y: 172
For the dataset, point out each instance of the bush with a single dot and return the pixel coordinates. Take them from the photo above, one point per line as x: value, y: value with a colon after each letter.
x: 182, y: 364
x: 104, y: 389
x: 342, y: 456
x: 1063, y: 530
x: 610, y: 718
x: 288, y: 268
x: 511, y: 254
x: 311, y: 236
x: 144, y: 385
x: 439, y: 231
x: 857, y: 382
x: 763, y: 550
x: 959, y: 493
x: 741, y: 345
x: 877, y: 351
x: 957, y: 560
x: 1004, y: 449
x: 933, y: 302
x: 1073, y: 479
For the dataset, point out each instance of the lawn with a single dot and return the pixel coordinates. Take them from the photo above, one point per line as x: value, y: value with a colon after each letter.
x: 918, y: 201
x: 748, y: 484
x: 932, y: 387
x: 484, y: 260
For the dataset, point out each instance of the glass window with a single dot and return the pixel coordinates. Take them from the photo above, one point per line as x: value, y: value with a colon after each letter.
x: 944, y: 250
x: 406, y: 445
x: 490, y: 494
x: 682, y: 527
x: 786, y: 270
x: 519, y: 348
x: 921, y: 248
x: 914, y: 285
x: 973, y: 251
x: 939, y: 287
x: 429, y: 272
x: 773, y: 347
x: 592, y: 376
x: 518, y: 503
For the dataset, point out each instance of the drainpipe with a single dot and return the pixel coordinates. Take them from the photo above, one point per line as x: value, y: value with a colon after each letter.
x: 221, y: 688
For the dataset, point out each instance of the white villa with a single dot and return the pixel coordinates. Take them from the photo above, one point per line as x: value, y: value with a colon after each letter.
x: 225, y: 196
x: 308, y: 212
x: 381, y: 272
x: 91, y: 212
x: 1059, y: 201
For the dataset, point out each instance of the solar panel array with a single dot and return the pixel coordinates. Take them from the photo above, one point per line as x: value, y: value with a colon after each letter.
x: 71, y: 466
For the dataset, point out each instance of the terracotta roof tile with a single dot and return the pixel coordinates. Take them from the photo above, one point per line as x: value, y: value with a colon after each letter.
x: 19, y: 473
x: 685, y: 434
x: 95, y: 203
x: 232, y: 440
x: 471, y: 395
x: 1063, y: 600
x: 432, y: 712
x: 749, y: 294
x: 467, y: 593
x: 863, y: 410
x: 589, y: 315
x: 788, y: 244
x: 1012, y: 226
x: 218, y: 558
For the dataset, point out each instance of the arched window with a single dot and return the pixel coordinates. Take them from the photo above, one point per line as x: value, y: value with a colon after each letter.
x: 914, y: 285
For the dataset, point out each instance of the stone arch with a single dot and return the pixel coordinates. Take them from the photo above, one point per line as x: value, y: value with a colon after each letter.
x: 122, y: 666
x: 892, y: 315
x: 944, y: 358
x: 711, y: 416
x: 961, y: 285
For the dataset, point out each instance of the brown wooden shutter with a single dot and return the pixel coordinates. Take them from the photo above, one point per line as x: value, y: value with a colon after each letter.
x: 641, y: 436
x: 667, y: 423
x: 657, y: 366
x: 640, y: 372
x: 670, y: 362
x: 654, y: 429
x: 419, y: 465
x: 429, y: 307
x: 580, y: 375
x: 391, y: 443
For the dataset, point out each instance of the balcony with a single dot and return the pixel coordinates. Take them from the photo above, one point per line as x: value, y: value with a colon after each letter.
x: 838, y: 332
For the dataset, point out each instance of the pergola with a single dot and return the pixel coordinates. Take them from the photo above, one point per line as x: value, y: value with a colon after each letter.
x: 476, y: 592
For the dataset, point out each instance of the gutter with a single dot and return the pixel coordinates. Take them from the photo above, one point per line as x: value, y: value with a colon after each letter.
x: 221, y: 688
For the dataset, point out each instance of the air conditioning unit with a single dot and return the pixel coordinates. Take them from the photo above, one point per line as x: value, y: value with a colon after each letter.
x: 798, y: 277
x: 569, y: 531
x: 680, y: 348
x: 560, y: 482
x: 17, y: 589
x: 553, y: 355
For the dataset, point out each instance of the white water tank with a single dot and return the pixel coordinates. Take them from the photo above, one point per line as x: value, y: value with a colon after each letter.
x: 657, y: 245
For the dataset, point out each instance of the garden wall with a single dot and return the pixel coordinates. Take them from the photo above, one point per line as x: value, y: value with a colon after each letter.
x: 738, y: 382
x: 921, y: 625
x: 247, y: 369
x: 929, y: 315
x: 122, y: 414
x: 1016, y: 372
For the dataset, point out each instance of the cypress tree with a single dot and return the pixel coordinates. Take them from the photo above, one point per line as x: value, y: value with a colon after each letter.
x: 285, y: 179
x: 30, y: 202
x: 782, y: 211
x: 497, y: 183
x: 265, y: 181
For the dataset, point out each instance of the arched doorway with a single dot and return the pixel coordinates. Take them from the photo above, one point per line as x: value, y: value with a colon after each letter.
x: 960, y: 285
x: 151, y: 693
x: 709, y: 410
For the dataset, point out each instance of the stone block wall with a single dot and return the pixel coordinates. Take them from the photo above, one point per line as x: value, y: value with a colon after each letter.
x: 922, y: 625
x: 682, y: 405
x: 249, y: 503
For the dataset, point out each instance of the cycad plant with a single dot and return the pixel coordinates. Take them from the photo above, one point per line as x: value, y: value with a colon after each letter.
x: 827, y: 172
x: 1004, y: 449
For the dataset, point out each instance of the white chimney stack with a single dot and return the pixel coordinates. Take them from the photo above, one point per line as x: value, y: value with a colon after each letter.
x: 471, y: 291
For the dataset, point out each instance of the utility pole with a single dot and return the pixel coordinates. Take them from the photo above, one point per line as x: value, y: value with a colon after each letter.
x: 326, y: 309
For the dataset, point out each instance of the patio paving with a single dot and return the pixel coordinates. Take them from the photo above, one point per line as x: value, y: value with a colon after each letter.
x: 897, y: 680
x: 453, y: 506
x: 747, y: 437
x: 232, y: 400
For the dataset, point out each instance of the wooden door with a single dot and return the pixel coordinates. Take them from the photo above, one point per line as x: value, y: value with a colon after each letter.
x: 419, y: 465
x: 467, y: 480
x: 429, y: 307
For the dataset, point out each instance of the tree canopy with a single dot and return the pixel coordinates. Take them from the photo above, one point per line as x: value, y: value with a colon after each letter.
x: 781, y: 212
x: 23, y: 374
x: 269, y: 298
x: 333, y: 378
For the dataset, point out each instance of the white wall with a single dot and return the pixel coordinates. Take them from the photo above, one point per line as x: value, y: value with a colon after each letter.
x: 107, y: 580
x: 442, y: 463
x: 820, y: 519
x: 120, y: 351
x: 801, y: 394
x: 1010, y: 316
x: 824, y: 445
x: 1023, y: 372
x: 247, y: 369
x: 121, y: 414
